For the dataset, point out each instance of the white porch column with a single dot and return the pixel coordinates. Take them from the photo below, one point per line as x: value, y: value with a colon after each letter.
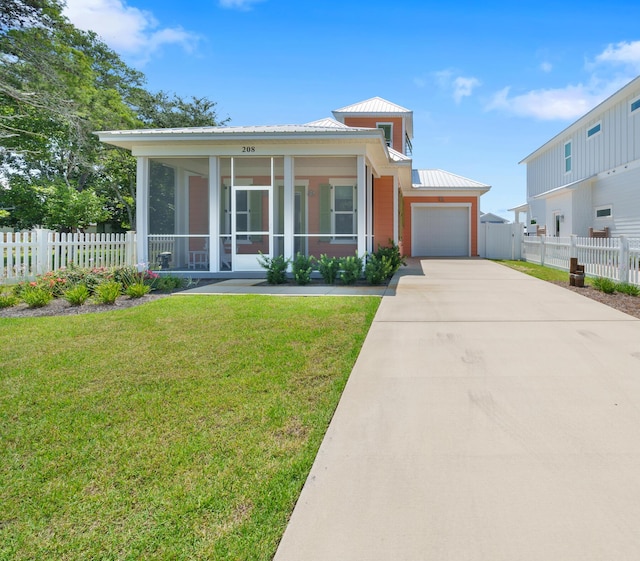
x: 289, y: 209
x: 142, y: 210
x: 214, y: 214
x: 396, y: 211
x: 362, y: 205
x: 369, y: 210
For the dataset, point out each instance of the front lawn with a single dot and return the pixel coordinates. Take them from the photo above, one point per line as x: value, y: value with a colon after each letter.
x: 179, y: 429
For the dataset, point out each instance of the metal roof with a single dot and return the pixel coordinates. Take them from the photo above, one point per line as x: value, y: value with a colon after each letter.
x: 440, y: 179
x: 373, y: 105
x: 260, y: 129
x: 396, y: 156
x: 327, y: 122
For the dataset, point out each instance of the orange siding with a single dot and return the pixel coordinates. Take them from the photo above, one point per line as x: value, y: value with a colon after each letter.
x: 382, y: 211
x: 370, y: 122
x: 406, y: 237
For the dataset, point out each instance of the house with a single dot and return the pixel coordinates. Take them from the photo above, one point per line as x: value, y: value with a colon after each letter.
x: 211, y: 199
x: 587, y: 178
x: 490, y: 218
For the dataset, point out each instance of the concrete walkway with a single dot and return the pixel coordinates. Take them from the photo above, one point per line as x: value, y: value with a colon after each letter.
x: 490, y: 416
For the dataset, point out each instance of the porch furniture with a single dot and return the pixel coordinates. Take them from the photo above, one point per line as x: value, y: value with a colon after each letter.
x: 199, y: 258
x: 541, y: 230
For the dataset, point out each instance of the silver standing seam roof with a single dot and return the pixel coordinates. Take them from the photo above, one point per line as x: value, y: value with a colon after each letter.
x: 440, y: 179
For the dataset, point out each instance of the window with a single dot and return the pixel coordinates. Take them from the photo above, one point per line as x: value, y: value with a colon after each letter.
x: 604, y: 211
x: 344, y: 212
x: 595, y: 129
x: 388, y: 132
x: 635, y: 105
x: 567, y: 157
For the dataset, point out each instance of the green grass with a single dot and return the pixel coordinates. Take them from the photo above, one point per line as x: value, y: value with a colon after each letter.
x: 540, y: 272
x: 180, y: 429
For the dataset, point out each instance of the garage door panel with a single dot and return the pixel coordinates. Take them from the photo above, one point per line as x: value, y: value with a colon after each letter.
x: 440, y: 231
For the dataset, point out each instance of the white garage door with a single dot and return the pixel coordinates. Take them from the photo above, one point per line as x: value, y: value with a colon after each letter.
x: 440, y: 231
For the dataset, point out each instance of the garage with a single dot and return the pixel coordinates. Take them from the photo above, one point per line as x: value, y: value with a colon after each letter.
x: 440, y: 230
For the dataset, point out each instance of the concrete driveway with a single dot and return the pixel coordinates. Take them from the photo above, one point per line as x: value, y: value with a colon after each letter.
x: 490, y: 416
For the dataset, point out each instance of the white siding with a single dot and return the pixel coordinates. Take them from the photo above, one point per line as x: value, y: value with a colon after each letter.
x: 622, y: 191
x: 617, y: 144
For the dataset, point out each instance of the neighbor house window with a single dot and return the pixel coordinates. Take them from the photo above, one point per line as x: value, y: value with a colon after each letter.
x: 604, y: 211
x: 567, y: 157
x: 595, y: 129
x: 635, y: 106
x: 388, y: 132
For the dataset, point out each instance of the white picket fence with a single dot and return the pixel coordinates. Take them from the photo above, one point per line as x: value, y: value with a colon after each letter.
x: 27, y: 254
x: 613, y: 258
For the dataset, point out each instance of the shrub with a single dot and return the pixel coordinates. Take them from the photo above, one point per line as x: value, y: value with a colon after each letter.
x: 36, y: 296
x: 626, y: 288
x: 378, y: 269
x: 77, y: 295
x: 8, y: 300
x: 392, y: 253
x: 137, y: 290
x: 605, y: 285
x: 328, y: 268
x: 108, y: 292
x: 276, y: 268
x: 350, y: 269
x: 167, y: 283
x: 302, y: 267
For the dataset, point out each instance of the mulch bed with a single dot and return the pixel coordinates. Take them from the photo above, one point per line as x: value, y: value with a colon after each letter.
x: 622, y: 302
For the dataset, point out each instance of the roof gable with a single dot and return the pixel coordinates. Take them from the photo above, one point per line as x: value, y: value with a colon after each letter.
x: 373, y: 105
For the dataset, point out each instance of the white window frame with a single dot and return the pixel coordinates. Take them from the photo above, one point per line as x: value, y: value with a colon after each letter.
x: 636, y: 110
x: 597, y: 133
x: 390, y: 141
x: 568, y: 161
x: 603, y: 207
x: 354, y: 213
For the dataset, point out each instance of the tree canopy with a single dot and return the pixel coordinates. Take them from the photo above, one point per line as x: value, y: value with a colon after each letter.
x: 59, y: 84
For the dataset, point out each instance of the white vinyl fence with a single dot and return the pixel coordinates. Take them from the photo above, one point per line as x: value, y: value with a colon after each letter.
x: 27, y: 254
x: 614, y: 258
x: 500, y: 241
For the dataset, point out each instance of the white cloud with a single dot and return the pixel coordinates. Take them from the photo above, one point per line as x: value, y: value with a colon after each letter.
x: 574, y: 100
x: 624, y: 52
x: 126, y: 29
x: 546, y: 67
x: 239, y: 4
x: 459, y: 86
x: 463, y: 87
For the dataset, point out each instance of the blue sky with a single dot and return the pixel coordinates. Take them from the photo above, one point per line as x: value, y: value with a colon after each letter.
x: 488, y: 82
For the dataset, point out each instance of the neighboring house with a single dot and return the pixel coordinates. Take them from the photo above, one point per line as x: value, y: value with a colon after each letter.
x: 588, y: 176
x: 213, y: 198
x: 490, y: 218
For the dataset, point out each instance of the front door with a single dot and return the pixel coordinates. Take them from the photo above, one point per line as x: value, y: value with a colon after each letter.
x: 251, y: 226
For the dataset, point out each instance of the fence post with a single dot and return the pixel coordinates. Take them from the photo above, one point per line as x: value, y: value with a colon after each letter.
x: 130, y: 248
x: 573, y: 246
x: 542, y: 250
x: 623, y: 263
x: 43, y: 253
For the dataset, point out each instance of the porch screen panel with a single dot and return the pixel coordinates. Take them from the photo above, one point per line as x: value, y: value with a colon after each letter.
x: 324, y: 229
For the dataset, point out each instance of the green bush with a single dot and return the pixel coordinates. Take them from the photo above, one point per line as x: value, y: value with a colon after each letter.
x: 350, y: 269
x: 378, y: 269
x: 328, y: 268
x: 276, y: 268
x: 605, y: 285
x: 626, y: 288
x: 393, y: 256
x: 8, y: 300
x: 137, y: 290
x: 167, y: 283
x: 108, y: 292
x: 77, y: 295
x: 302, y: 266
x: 36, y: 296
